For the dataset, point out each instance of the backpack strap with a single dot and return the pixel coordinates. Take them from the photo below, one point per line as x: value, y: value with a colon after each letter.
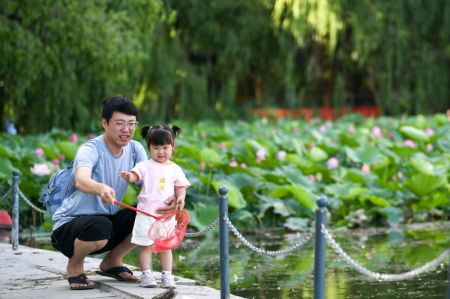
x: 133, y: 151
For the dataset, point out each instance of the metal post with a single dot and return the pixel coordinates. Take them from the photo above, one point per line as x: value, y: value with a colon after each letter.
x: 448, y: 279
x: 320, y: 250
x: 224, y: 270
x: 15, y: 210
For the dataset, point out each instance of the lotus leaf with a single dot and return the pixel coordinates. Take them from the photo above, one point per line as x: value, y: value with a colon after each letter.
x: 423, y: 184
x: 210, y: 157
x: 68, y: 149
x: 414, y: 133
x: 235, y: 197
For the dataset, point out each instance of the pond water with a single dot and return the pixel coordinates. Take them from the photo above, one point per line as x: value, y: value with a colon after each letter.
x: 254, y: 275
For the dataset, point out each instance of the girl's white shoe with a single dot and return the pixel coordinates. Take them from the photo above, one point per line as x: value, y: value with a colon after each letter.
x: 167, y: 281
x: 148, y: 280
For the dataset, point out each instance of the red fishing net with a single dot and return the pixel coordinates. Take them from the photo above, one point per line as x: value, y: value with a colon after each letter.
x: 168, y: 230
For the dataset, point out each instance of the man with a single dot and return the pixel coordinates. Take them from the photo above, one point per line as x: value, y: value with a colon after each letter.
x: 88, y: 222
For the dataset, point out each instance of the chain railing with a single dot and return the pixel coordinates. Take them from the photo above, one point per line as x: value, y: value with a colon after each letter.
x: 31, y: 204
x: 380, y: 276
x: 204, y: 230
x: 5, y: 195
x: 247, y: 243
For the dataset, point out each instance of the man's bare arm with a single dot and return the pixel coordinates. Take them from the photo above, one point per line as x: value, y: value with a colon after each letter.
x: 86, y: 184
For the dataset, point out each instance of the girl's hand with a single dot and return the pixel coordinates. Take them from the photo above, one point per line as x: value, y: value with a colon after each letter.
x: 128, y: 176
x: 180, y: 203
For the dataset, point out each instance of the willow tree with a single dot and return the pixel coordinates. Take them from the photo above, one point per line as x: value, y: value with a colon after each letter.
x: 60, y: 59
x: 211, y: 58
x: 397, y: 51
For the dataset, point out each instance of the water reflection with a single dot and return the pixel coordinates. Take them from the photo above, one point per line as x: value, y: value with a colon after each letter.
x: 259, y: 276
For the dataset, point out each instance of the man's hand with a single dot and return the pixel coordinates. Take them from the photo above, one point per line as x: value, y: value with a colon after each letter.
x: 107, y: 194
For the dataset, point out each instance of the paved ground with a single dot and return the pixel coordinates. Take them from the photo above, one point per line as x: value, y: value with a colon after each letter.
x: 35, y: 273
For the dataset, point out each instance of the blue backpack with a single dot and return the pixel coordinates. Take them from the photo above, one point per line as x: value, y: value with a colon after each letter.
x: 57, y: 189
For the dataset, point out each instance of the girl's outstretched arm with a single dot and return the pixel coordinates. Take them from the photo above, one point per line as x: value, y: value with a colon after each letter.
x: 129, y: 176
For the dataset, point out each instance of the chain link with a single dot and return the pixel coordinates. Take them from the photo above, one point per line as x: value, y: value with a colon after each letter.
x: 203, y: 231
x: 5, y: 195
x: 30, y: 203
x: 379, y: 276
x: 263, y: 251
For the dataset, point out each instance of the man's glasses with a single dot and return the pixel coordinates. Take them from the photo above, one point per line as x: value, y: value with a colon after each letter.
x: 121, y: 124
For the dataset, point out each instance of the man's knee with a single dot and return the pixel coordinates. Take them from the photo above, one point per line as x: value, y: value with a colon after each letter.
x: 89, y: 245
x: 96, y: 230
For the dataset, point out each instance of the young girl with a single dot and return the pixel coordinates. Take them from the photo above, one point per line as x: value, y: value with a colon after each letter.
x: 161, y: 180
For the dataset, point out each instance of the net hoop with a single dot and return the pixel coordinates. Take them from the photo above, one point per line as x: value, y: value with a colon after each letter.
x: 168, y: 229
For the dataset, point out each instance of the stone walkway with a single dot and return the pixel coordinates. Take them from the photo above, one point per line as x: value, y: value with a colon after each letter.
x: 36, y: 273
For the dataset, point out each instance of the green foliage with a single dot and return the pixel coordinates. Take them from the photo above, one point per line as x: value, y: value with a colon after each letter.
x: 274, y: 182
x: 216, y: 59
x: 397, y: 51
x: 61, y: 59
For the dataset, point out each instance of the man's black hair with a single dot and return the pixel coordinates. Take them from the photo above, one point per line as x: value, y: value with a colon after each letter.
x: 118, y: 104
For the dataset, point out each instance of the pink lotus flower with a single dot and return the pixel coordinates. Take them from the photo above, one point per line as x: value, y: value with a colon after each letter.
x: 351, y: 129
x: 365, y: 168
x: 312, y: 178
x: 429, y: 147
x: 55, y: 162
x: 39, y: 152
x: 73, y: 137
x: 281, y: 155
x: 409, y: 143
x: 233, y: 163
x: 429, y: 131
x: 260, y: 155
x: 332, y: 163
x: 202, y: 165
x: 40, y: 169
x: 376, y: 132
x: 222, y: 147
x: 243, y: 165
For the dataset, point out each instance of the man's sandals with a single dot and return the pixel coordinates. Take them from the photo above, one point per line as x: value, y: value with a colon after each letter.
x: 114, y: 273
x: 82, y: 281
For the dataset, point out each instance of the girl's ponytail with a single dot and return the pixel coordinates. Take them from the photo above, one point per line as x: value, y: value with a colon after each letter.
x: 176, y: 131
x: 144, y: 132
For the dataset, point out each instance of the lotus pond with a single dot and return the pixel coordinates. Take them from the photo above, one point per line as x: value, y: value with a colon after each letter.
x: 375, y: 172
x: 259, y: 276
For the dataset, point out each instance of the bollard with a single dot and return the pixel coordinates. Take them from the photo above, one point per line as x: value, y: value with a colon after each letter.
x: 320, y: 250
x: 15, y: 210
x: 224, y: 270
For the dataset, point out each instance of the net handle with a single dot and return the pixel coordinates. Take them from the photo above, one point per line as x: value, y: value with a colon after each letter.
x: 135, y: 209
